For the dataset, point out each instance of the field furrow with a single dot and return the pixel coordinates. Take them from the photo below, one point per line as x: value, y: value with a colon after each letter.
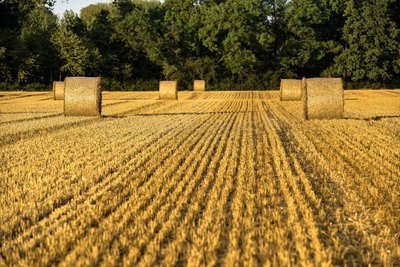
x: 107, y: 165
x: 371, y: 204
x: 301, y: 214
x: 233, y: 178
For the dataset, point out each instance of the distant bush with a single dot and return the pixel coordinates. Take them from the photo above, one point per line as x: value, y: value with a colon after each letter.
x: 268, y: 81
x: 5, y: 86
x: 254, y: 83
x: 137, y: 85
x: 369, y: 85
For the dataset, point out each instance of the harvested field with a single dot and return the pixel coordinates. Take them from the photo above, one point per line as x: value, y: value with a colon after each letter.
x: 213, y: 178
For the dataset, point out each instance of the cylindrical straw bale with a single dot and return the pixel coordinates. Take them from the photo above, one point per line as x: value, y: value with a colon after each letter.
x: 168, y: 90
x: 323, y: 98
x: 58, y: 90
x: 290, y: 90
x: 82, y: 96
x: 303, y: 88
x: 199, y: 85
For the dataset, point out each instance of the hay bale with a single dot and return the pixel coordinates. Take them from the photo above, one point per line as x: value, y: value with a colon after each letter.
x: 82, y: 96
x: 323, y: 98
x: 58, y: 90
x: 199, y: 85
x: 290, y: 90
x: 168, y: 90
x: 303, y: 88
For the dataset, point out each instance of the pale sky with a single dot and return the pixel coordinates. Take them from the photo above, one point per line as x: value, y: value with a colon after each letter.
x: 75, y: 5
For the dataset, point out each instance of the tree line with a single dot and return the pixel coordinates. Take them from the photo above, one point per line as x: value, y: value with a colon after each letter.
x: 232, y: 44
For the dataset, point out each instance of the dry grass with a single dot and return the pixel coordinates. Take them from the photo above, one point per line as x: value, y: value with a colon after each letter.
x: 168, y: 90
x: 225, y: 178
x: 323, y: 98
x: 290, y: 90
x: 82, y: 96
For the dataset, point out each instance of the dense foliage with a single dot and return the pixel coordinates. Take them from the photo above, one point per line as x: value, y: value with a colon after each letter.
x: 233, y: 44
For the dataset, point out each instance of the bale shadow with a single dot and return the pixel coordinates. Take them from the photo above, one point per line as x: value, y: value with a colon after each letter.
x: 374, y: 118
x: 113, y: 116
x: 26, y: 112
x: 190, y: 113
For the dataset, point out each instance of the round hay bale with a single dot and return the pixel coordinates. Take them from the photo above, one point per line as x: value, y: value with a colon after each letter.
x: 199, y: 85
x: 323, y: 98
x: 58, y: 90
x: 303, y: 88
x: 168, y: 90
x: 290, y: 90
x: 82, y: 96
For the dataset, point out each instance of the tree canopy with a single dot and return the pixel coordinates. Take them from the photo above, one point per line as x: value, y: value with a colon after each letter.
x: 232, y: 44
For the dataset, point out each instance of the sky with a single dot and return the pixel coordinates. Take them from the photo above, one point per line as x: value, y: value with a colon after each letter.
x: 75, y: 5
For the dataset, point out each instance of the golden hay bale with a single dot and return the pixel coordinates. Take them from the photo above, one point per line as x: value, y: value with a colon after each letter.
x: 199, y: 85
x: 290, y: 90
x: 168, y: 90
x: 58, y: 90
x: 82, y: 96
x: 323, y: 98
x: 303, y: 88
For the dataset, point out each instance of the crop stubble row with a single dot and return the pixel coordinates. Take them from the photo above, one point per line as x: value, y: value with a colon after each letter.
x: 217, y: 178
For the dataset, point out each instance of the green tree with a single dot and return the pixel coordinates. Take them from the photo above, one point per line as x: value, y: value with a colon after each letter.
x: 25, y: 27
x: 312, y: 37
x: 249, y: 43
x: 394, y: 11
x: 74, y: 23
x: 36, y: 46
x: 180, y: 44
x: 90, y: 13
x: 116, y: 60
x: 372, y: 49
x: 138, y: 35
x: 77, y: 56
x: 29, y: 66
x: 241, y: 36
x: 5, y: 69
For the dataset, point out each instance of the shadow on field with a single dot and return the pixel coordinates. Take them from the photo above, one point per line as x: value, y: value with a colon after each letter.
x: 27, y: 112
x: 374, y: 118
x: 191, y: 113
x: 113, y: 116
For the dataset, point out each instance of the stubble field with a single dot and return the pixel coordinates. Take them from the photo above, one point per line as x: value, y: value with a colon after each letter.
x: 216, y: 178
